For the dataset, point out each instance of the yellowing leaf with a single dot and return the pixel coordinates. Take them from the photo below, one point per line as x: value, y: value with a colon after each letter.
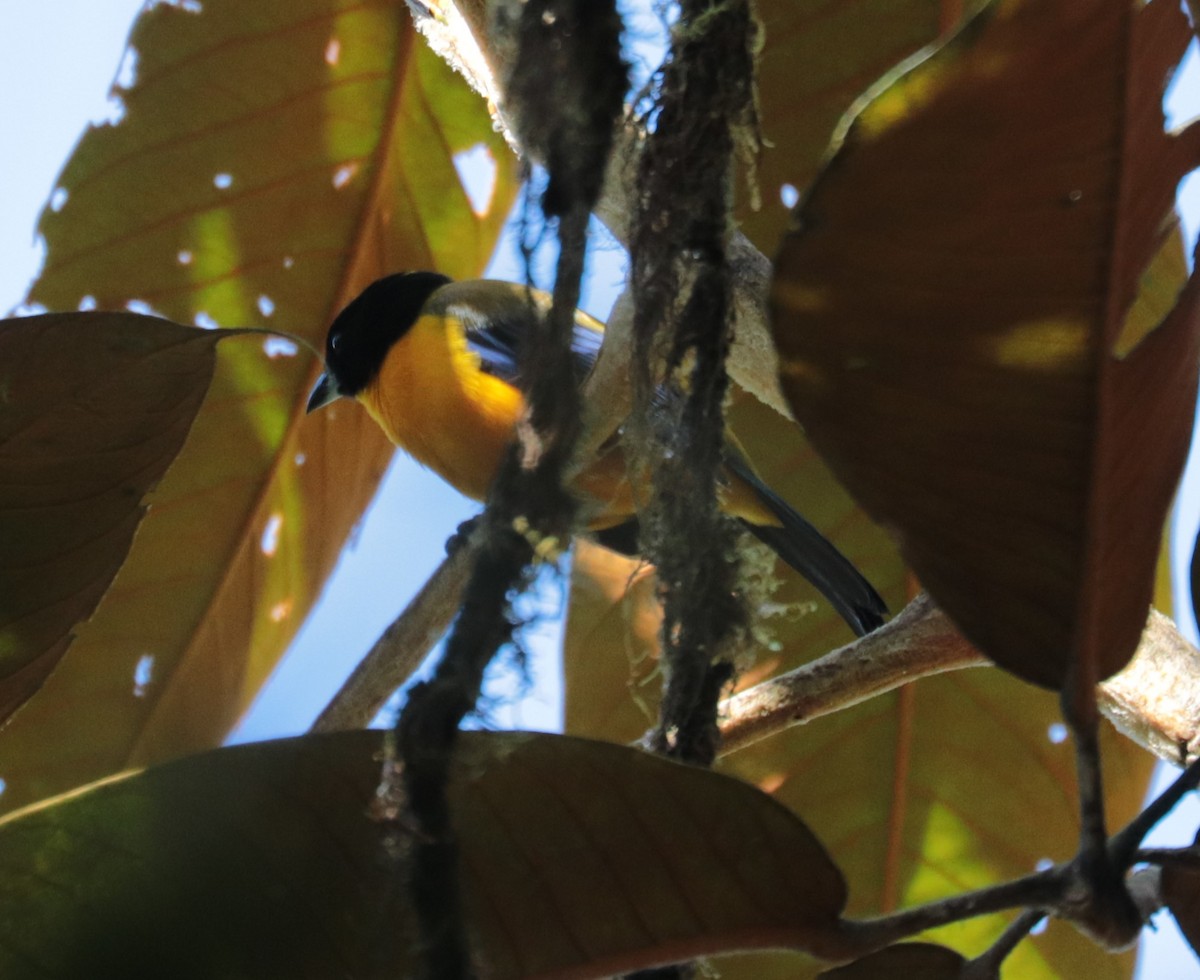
x: 272, y: 160
x: 578, y: 859
x: 93, y: 409
x: 952, y: 309
x: 817, y: 58
x: 611, y: 678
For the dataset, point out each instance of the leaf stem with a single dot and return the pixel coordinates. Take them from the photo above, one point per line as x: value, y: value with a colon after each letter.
x: 987, y: 964
x: 1042, y: 890
x: 1124, y: 844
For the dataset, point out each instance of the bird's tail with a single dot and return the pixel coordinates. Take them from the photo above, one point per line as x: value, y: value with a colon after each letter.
x: 804, y: 548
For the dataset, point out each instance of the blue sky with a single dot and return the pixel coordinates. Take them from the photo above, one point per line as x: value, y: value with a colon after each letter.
x: 60, y: 58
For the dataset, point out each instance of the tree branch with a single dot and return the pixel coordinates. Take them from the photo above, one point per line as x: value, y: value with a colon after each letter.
x: 530, y: 512
x: 987, y: 964
x: 1154, y: 700
x: 401, y: 647
x: 1043, y: 890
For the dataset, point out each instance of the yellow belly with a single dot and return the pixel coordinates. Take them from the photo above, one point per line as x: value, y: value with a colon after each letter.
x: 433, y: 402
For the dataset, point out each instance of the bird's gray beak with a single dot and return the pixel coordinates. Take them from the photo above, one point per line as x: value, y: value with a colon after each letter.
x: 324, y: 392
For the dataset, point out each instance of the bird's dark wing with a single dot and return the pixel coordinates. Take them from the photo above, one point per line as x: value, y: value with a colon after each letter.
x: 498, y: 316
x: 808, y: 551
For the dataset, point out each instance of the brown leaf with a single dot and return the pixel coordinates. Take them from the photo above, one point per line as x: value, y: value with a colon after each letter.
x: 816, y: 60
x: 1181, y: 894
x: 580, y: 859
x: 272, y: 160
x: 912, y: 961
x: 981, y: 335
x: 93, y: 409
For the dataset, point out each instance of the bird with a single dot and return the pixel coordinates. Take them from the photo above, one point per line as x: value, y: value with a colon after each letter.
x: 435, y: 363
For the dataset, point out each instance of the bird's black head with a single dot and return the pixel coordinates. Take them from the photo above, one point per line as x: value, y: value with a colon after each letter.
x: 363, y: 333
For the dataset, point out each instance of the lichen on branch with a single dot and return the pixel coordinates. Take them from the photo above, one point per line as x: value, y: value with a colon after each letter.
x: 682, y: 328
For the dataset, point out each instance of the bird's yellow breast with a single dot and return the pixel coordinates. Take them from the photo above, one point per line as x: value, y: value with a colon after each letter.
x: 433, y: 401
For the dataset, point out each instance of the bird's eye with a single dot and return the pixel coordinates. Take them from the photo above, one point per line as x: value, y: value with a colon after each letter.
x: 335, y: 340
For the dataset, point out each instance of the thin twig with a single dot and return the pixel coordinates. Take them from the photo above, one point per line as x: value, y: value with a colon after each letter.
x: 1043, y: 889
x: 1151, y: 700
x: 1097, y: 899
x: 401, y: 647
x: 1124, y: 843
x: 1085, y: 727
x: 1053, y: 891
x: 987, y: 964
x: 1180, y: 857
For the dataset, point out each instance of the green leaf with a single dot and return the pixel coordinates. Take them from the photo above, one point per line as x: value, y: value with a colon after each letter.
x: 579, y: 859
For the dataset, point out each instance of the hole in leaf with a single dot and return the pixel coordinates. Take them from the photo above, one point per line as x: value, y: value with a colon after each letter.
x: 477, y: 173
x: 184, y: 257
x: 789, y: 195
x: 87, y: 304
x: 344, y: 174
x: 1043, y: 864
x: 3, y: 786
x: 300, y: 459
x: 281, y: 610
x: 58, y: 199
x: 112, y: 112
x: 127, y: 70
x: 270, y: 535
x: 288, y: 262
x: 769, y: 784
x: 222, y: 181
x: 1159, y: 288
x: 1181, y: 98
x: 333, y: 52
x: 142, y: 673
x: 279, y: 347
x: 202, y: 319
x: 1187, y: 200
x: 142, y: 307
x: 1057, y: 733
x: 266, y: 306
x: 29, y: 309
x: 1040, y: 927
x: 1181, y: 105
